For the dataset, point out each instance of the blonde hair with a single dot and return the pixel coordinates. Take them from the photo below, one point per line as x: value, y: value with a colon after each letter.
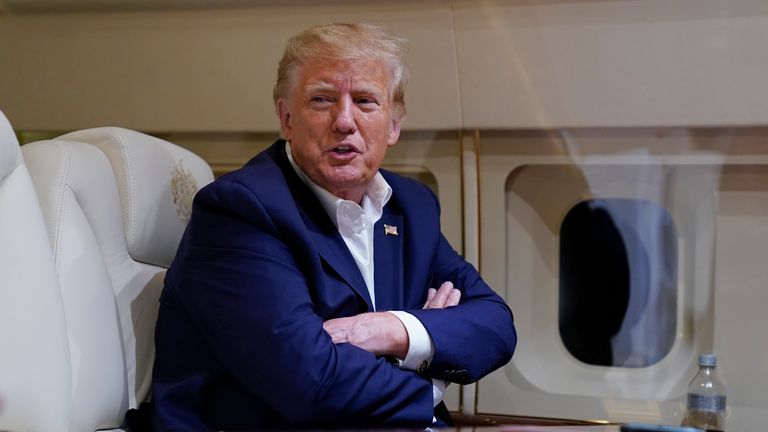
x: 344, y: 41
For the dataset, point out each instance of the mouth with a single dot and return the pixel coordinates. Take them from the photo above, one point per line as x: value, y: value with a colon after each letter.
x: 344, y: 150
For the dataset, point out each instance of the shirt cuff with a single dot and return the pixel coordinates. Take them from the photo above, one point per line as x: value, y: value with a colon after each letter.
x: 420, y: 347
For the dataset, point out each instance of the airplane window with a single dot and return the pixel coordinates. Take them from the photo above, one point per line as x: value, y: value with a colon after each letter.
x: 618, y: 282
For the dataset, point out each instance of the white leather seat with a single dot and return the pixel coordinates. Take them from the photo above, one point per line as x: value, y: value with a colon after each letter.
x: 34, y: 354
x: 115, y: 203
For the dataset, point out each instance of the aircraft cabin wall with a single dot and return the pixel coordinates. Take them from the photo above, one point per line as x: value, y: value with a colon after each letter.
x: 533, y: 121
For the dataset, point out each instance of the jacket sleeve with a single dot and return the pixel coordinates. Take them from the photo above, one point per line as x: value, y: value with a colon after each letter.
x: 473, y: 338
x: 239, y: 278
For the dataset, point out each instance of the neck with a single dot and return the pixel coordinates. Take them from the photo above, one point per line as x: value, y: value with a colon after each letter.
x: 355, y: 195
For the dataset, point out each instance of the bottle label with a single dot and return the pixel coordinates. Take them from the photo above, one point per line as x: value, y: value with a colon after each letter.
x: 709, y: 403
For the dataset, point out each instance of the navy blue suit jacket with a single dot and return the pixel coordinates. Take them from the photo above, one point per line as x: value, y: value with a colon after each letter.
x: 240, y: 340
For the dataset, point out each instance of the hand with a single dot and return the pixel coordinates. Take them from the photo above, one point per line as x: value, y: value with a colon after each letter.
x: 380, y: 333
x: 445, y: 296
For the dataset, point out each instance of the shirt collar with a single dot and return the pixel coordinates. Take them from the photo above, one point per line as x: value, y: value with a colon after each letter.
x: 378, y: 194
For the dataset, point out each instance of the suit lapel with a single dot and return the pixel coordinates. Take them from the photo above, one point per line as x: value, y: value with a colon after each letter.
x: 331, y: 247
x: 335, y: 253
x: 388, y: 261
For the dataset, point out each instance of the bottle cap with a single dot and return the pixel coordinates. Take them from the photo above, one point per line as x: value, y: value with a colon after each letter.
x: 707, y: 360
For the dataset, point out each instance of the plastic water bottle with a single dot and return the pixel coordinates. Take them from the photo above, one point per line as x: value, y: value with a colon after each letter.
x: 706, y: 397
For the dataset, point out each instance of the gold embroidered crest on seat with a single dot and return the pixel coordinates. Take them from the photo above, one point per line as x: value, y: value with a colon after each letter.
x: 183, y: 189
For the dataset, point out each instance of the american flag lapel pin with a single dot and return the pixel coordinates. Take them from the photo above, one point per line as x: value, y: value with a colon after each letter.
x: 390, y: 230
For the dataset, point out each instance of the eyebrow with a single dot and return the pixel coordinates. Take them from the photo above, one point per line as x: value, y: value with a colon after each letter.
x: 319, y: 86
x: 325, y: 86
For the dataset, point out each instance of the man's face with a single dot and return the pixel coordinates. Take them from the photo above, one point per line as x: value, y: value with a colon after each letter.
x: 340, y: 120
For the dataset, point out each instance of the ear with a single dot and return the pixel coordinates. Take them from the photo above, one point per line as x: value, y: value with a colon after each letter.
x: 284, y: 113
x: 394, y: 131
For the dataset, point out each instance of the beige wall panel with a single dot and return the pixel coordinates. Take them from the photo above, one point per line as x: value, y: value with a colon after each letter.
x: 434, y: 158
x: 558, y: 63
x: 714, y: 185
x: 197, y: 70
x: 224, y: 152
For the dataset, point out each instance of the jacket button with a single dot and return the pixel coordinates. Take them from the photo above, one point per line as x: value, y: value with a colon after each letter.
x: 422, y: 367
x: 460, y: 376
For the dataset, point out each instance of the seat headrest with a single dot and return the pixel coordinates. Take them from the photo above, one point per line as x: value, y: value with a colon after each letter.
x: 156, y: 181
x: 10, y: 155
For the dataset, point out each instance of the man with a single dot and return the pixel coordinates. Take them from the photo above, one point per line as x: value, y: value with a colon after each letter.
x: 275, y: 312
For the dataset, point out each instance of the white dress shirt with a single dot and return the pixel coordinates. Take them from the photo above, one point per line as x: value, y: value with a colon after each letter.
x: 355, y: 224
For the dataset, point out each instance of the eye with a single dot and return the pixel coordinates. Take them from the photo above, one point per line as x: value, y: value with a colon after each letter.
x: 319, y: 99
x: 365, y: 100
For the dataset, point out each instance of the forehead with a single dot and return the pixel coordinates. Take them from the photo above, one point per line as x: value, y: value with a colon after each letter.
x: 371, y: 73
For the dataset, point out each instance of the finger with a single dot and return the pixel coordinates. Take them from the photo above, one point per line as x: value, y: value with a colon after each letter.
x: 338, y: 329
x: 454, y: 298
x: 441, y: 297
x: 438, y: 302
x: 329, y: 328
x: 430, y: 295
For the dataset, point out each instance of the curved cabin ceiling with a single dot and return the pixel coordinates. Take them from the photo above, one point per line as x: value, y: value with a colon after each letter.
x: 15, y: 7
x: 207, y: 65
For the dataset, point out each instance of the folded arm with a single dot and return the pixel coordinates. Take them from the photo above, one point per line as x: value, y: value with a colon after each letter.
x: 383, y: 333
x: 252, y: 301
x: 475, y: 337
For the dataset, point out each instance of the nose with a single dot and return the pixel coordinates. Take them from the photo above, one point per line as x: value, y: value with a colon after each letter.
x: 344, y: 116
